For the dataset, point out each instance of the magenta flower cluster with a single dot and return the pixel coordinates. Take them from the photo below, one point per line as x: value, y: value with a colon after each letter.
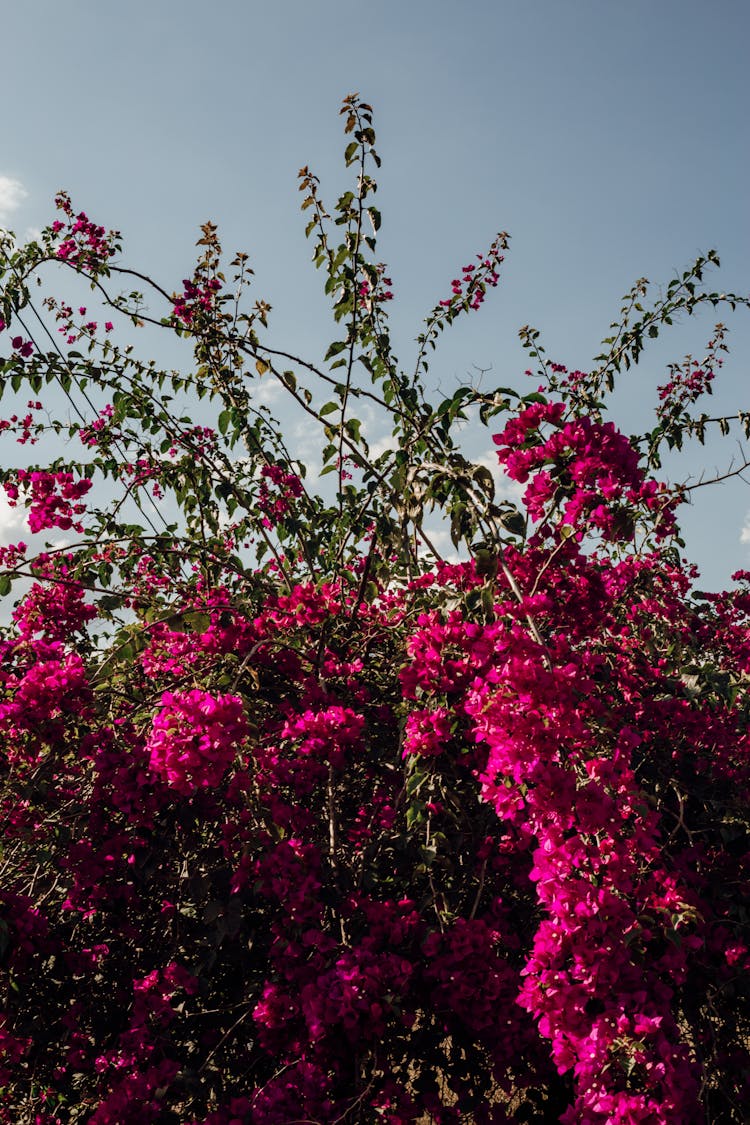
x: 54, y: 499
x: 583, y: 470
x: 194, y: 738
x: 275, y: 504
x: 470, y: 289
x: 198, y: 295
x: 81, y: 242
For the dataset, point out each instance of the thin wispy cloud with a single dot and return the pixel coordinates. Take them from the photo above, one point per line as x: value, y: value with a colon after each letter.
x: 745, y: 533
x: 12, y: 195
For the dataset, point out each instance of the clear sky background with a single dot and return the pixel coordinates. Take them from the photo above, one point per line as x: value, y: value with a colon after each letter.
x: 610, y: 139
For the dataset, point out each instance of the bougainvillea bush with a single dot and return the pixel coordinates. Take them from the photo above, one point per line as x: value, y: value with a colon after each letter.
x: 304, y: 823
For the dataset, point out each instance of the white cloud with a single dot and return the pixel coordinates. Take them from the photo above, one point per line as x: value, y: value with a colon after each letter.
x: 745, y: 533
x: 267, y: 391
x: 12, y: 521
x: 378, y: 447
x: 440, y: 537
x: 12, y: 195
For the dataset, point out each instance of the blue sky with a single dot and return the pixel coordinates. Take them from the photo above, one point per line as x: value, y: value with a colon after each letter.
x: 610, y: 139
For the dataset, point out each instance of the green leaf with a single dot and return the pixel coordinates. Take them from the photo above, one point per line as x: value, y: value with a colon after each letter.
x: 335, y: 348
x: 352, y: 427
x: 485, y: 480
x: 192, y: 621
x: 514, y: 522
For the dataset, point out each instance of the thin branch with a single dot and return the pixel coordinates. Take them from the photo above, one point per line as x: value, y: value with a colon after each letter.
x: 717, y: 479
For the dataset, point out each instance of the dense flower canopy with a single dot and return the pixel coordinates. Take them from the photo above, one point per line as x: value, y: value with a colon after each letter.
x: 303, y: 823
